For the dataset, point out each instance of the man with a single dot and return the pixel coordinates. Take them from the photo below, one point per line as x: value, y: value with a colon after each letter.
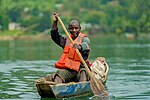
x: 69, y: 64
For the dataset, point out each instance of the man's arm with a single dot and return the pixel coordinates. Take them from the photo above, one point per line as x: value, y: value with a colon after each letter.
x: 85, y: 45
x: 85, y: 48
x: 58, y: 39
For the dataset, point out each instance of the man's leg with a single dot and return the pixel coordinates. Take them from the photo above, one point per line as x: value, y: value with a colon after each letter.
x: 83, y: 76
x: 57, y: 79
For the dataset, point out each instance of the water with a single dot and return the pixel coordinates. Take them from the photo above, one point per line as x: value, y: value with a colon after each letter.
x: 22, y: 62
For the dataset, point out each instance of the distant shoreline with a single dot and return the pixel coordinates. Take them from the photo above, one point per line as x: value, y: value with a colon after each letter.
x: 47, y: 36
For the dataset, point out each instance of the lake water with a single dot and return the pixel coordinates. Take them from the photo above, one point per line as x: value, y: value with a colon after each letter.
x: 22, y: 62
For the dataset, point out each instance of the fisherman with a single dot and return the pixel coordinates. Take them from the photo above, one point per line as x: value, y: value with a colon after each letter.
x: 70, y: 67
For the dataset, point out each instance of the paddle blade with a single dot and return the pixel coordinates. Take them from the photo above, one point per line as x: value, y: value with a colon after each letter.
x: 97, y: 87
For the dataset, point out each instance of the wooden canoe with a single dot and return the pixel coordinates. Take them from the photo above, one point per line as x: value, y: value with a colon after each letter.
x: 48, y: 89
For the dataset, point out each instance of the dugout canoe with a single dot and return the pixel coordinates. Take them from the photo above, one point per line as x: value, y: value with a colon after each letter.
x: 48, y: 89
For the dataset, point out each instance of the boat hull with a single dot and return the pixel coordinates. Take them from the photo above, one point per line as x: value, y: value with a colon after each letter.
x: 65, y: 90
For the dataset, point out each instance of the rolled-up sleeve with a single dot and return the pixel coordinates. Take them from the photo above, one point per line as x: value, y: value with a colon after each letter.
x: 85, y: 45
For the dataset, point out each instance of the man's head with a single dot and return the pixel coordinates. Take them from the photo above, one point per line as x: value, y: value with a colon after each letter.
x: 74, y: 28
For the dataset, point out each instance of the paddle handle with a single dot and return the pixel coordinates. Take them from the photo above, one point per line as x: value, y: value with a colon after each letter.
x: 77, y: 51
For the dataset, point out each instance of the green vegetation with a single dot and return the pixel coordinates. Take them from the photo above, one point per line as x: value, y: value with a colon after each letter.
x: 104, y: 16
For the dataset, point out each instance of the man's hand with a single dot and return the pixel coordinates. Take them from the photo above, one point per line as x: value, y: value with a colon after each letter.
x: 56, y: 14
x: 55, y: 20
x: 76, y: 46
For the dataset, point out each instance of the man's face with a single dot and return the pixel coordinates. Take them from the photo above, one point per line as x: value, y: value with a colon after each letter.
x: 74, y: 29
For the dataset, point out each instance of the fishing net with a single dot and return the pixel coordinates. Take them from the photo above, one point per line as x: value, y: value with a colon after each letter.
x: 99, y: 68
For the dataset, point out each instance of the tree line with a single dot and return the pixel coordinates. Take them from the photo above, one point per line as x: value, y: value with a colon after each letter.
x: 106, y: 16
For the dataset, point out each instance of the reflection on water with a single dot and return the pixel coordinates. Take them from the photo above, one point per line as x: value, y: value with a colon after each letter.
x: 22, y: 62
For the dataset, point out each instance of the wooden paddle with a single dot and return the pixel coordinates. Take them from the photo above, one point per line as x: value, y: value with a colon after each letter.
x: 96, y: 85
